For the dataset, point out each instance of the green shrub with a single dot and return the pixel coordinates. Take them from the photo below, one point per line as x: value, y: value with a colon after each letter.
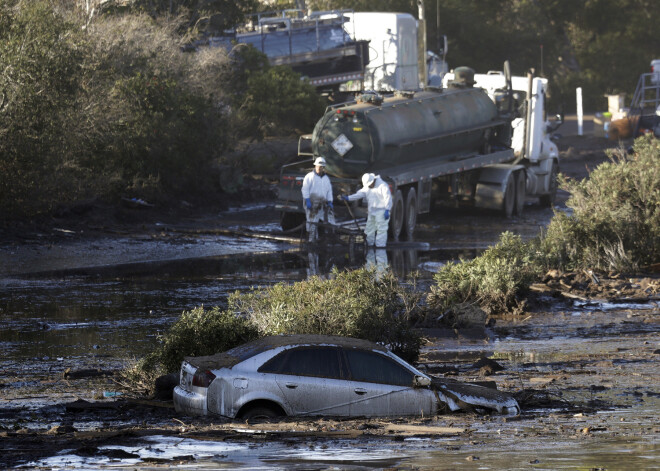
x: 198, y: 332
x: 270, y: 100
x: 494, y: 280
x: 615, y: 223
x: 40, y: 53
x: 94, y: 110
x: 352, y: 303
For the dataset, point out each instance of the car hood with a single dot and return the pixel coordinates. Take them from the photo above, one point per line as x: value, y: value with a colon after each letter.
x: 465, y: 396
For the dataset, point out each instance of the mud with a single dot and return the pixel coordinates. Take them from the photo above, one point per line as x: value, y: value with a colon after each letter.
x: 585, y: 377
x: 83, y: 294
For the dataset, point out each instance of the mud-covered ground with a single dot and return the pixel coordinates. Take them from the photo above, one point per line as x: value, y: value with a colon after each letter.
x: 584, y: 372
x: 582, y: 361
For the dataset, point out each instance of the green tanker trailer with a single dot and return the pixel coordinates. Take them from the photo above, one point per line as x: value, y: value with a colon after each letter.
x: 456, y: 144
x: 374, y: 135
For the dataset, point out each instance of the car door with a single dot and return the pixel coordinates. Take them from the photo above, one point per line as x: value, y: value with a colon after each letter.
x: 311, y: 380
x: 381, y: 386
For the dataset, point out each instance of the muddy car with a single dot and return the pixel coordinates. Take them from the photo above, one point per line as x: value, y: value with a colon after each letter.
x: 314, y: 375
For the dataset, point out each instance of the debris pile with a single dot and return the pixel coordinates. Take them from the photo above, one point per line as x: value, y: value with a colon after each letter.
x: 589, y: 285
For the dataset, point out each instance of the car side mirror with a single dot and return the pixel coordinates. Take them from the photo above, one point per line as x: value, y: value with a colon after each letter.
x: 421, y: 381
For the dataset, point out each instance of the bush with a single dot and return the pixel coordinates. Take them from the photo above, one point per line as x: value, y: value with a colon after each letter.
x: 270, y: 100
x: 102, y: 109
x: 615, y: 224
x: 198, y: 332
x: 40, y: 53
x: 494, y: 281
x: 353, y: 304
x: 158, y: 112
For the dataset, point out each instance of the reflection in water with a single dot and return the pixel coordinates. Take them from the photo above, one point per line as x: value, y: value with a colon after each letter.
x: 377, y: 261
x: 321, y: 261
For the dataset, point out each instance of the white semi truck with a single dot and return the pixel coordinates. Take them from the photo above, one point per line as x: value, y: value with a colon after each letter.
x: 396, y: 59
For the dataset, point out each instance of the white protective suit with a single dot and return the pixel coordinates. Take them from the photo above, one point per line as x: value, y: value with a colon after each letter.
x: 379, y: 199
x: 319, y: 190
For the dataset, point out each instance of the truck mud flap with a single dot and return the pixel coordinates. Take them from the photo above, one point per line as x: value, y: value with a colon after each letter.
x: 473, y: 397
x: 491, y: 187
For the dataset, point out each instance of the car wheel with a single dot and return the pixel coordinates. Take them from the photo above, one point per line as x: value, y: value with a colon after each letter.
x: 260, y: 413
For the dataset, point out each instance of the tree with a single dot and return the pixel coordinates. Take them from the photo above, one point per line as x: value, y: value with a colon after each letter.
x: 40, y: 53
x: 209, y: 16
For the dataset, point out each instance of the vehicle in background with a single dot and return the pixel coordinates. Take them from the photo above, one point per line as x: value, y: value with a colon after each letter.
x: 342, y: 52
x: 317, y: 375
x: 482, y: 140
x: 396, y: 62
x: 318, y: 46
x: 655, y: 70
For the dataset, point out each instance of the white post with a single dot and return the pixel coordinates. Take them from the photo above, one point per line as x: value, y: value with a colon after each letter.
x: 578, y: 94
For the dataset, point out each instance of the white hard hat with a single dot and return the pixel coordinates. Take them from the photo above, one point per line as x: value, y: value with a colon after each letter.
x: 320, y: 161
x: 368, y: 179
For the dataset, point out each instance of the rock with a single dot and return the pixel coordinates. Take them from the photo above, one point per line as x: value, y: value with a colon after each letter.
x: 492, y: 365
x: 465, y: 315
x: 60, y: 429
x: 485, y: 371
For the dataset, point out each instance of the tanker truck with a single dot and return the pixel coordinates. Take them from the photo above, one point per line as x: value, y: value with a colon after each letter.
x: 480, y: 140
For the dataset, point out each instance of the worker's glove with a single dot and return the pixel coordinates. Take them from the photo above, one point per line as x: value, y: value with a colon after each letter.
x: 330, y: 205
x: 308, y: 202
x: 387, y: 214
x: 343, y: 197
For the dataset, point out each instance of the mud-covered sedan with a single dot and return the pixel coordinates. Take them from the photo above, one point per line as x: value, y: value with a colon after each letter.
x: 320, y: 375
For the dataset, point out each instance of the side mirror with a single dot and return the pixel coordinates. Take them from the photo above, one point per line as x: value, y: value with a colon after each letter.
x: 421, y: 381
x: 553, y: 125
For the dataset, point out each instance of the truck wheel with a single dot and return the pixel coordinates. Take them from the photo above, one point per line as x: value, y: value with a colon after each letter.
x: 410, y: 215
x: 509, y: 197
x: 291, y: 221
x: 521, y: 192
x: 548, y: 200
x: 396, y: 216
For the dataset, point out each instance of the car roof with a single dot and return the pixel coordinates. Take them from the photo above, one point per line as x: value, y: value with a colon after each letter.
x: 247, y: 350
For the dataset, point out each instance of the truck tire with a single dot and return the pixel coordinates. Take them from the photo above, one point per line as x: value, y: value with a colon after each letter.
x: 396, y: 216
x: 410, y: 214
x: 291, y: 221
x: 548, y: 200
x: 509, y: 200
x: 521, y: 192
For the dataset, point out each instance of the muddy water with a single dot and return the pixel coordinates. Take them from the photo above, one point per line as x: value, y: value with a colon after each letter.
x: 78, y: 305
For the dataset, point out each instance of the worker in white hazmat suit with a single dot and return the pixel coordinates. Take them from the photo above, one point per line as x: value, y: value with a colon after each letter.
x: 317, y: 198
x: 379, y: 203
